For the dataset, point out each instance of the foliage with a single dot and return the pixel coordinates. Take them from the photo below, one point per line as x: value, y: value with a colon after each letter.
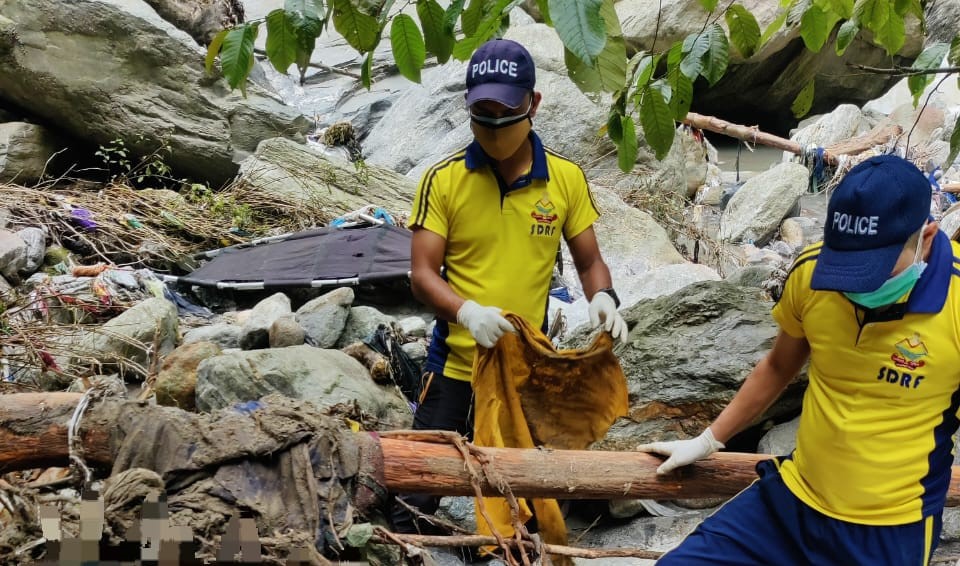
x: 655, y: 90
x: 116, y: 157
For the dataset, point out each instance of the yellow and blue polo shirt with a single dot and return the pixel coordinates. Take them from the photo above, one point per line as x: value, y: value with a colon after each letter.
x: 501, y: 241
x: 875, y: 440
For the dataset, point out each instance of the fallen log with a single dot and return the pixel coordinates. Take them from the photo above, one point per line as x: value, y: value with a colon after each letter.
x: 33, y: 433
x: 752, y: 134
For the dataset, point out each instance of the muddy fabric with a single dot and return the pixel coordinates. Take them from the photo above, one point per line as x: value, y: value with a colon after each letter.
x: 529, y: 394
x: 277, y: 460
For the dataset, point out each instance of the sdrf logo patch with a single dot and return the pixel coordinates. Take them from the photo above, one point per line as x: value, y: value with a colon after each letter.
x: 544, y: 215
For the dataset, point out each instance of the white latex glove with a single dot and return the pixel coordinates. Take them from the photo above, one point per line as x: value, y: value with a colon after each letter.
x: 683, y: 452
x: 603, y: 309
x: 485, y: 324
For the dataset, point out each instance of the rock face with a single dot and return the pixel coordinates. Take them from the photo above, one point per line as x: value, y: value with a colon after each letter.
x: 25, y: 150
x: 129, y: 74
x: 762, y: 88
x: 131, y: 336
x: 754, y: 213
x: 324, y: 318
x: 255, y: 332
x: 687, y: 355
x: 324, y: 377
x: 363, y: 320
x: 202, y: 20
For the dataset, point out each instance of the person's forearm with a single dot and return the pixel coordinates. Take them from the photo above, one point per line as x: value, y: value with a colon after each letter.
x: 430, y: 289
x: 594, y: 277
x: 758, y: 392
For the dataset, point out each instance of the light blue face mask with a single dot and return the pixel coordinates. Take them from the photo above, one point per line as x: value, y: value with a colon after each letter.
x: 895, y: 287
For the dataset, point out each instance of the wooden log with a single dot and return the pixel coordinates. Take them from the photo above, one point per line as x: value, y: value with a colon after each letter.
x: 33, y: 433
x: 752, y: 134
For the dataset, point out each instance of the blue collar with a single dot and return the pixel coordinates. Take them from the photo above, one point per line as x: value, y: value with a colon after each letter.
x: 930, y: 293
x: 476, y: 158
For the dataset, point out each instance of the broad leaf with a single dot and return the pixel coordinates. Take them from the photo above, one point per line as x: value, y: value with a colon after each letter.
x: 236, y: 56
x: 365, y: 79
x: 308, y: 30
x: 544, y: 7
x: 281, y: 44
x: 658, y: 127
x: 608, y: 72
x: 305, y: 8
x: 904, y: 7
x: 438, y: 39
x: 580, y: 26
x: 930, y: 58
x: 744, y: 30
x: 627, y: 148
x: 681, y: 97
x: 708, y: 5
x: 214, y: 49
x: 408, y: 48
x: 464, y: 48
x: 584, y: 76
x: 796, y: 11
x: 813, y: 28
x: 452, y: 13
x: 717, y: 57
x: 954, y: 142
x: 362, y: 31
x: 773, y: 28
x: 804, y: 101
x: 694, y: 47
x: 615, y: 127
x: 842, y: 8
x: 645, y: 70
x: 892, y: 34
x: 473, y: 15
x: 848, y: 31
x: 359, y: 534
x: 953, y: 58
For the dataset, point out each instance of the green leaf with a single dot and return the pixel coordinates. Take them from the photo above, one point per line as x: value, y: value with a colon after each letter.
x: 627, y: 148
x: 452, y: 13
x: 708, y: 5
x: 848, y: 31
x: 813, y: 28
x: 365, y: 71
x: 717, y: 57
x: 608, y: 72
x: 408, y: 48
x: 954, y: 142
x: 305, y: 8
x: 281, y: 40
x: 930, y: 58
x: 904, y: 7
x: 615, y: 127
x: 464, y: 48
x: 842, y: 8
x: 694, y: 47
x: 438, y: 39
x: 953, y: 58
x: 308, y: 30
x: 804, y: 101
x: 214, y: 49
x: 744, y: 30
x: 658, y: 127
x: 236, y: 56
x: 580, y: 27
x: 362, y: 31
x: 645, y: 69
x: 681, y: 97
x: 473, y: 15
x: 544, y: 7
x: 773, y: 28
x: 892, y: 34
x: 359, y: 534
x: 879, y: 17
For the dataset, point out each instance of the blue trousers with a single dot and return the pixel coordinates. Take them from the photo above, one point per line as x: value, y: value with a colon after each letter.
x: 767, y: 525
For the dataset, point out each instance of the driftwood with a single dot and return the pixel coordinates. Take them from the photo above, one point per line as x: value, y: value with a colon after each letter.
x: 33, y: 433
x: 752, y: 134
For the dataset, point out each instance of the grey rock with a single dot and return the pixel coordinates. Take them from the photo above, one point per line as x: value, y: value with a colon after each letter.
x: 792, y: 233
x: 176, y: 382
x: 13, y: 255
x: 323, y: 377
x: 113, y: 384
x: 36, y: 241
x: 223, y: 334
x: 781, y: 439
x: 751, y: 275
x: 362, y: 322
x: 417, y: 351
x: 756, y: 210
x: 255, y: 332
x: 324, y: 318
x: 25, y: 150
x: 114, y: 69
x: 413, y: 326
x: 8, y: 295
x: 285, y: 332
x: 843, y: 123
x: 202, y: 21
x: 460, y: 511
x: 131, y: 337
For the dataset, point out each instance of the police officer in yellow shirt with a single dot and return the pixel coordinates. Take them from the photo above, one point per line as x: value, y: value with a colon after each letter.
x: 875, y: 308
x: 487, y: 223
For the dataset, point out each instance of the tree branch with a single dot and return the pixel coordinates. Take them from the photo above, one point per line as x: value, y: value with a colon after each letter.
x: 904, y: 71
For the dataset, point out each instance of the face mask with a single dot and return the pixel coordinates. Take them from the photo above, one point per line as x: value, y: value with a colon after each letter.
x: 895, y: 287
x: 501, y: 137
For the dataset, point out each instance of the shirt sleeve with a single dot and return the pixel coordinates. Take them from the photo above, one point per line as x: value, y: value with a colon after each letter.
x: 583, y: 211
x: 788, y: 310
x: 429, y: 210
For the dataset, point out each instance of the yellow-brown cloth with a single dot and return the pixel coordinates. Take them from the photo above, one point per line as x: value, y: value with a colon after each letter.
x: 528, y: 394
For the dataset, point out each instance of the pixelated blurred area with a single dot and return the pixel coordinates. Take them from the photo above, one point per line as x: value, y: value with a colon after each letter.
x: 274, y: 481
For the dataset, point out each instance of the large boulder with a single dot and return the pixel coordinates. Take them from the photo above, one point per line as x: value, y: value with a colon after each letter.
x: 255, y: 332
x: 147, y: 329
x: 687, y: 355
x: 176, y: 382
x: 324, y: 318
x: 13, y: 255
x: 298, y: 173
x: 25, y: 151
x: 202, y: 20
x: 323, y: 377
x: 763, y: 87
x: 844, y: 122
x: 114, y: 69
x: 361, y: 323
x: 754, y: 213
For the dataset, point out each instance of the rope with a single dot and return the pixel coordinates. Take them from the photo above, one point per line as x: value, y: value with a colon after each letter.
x: 72, y: 430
